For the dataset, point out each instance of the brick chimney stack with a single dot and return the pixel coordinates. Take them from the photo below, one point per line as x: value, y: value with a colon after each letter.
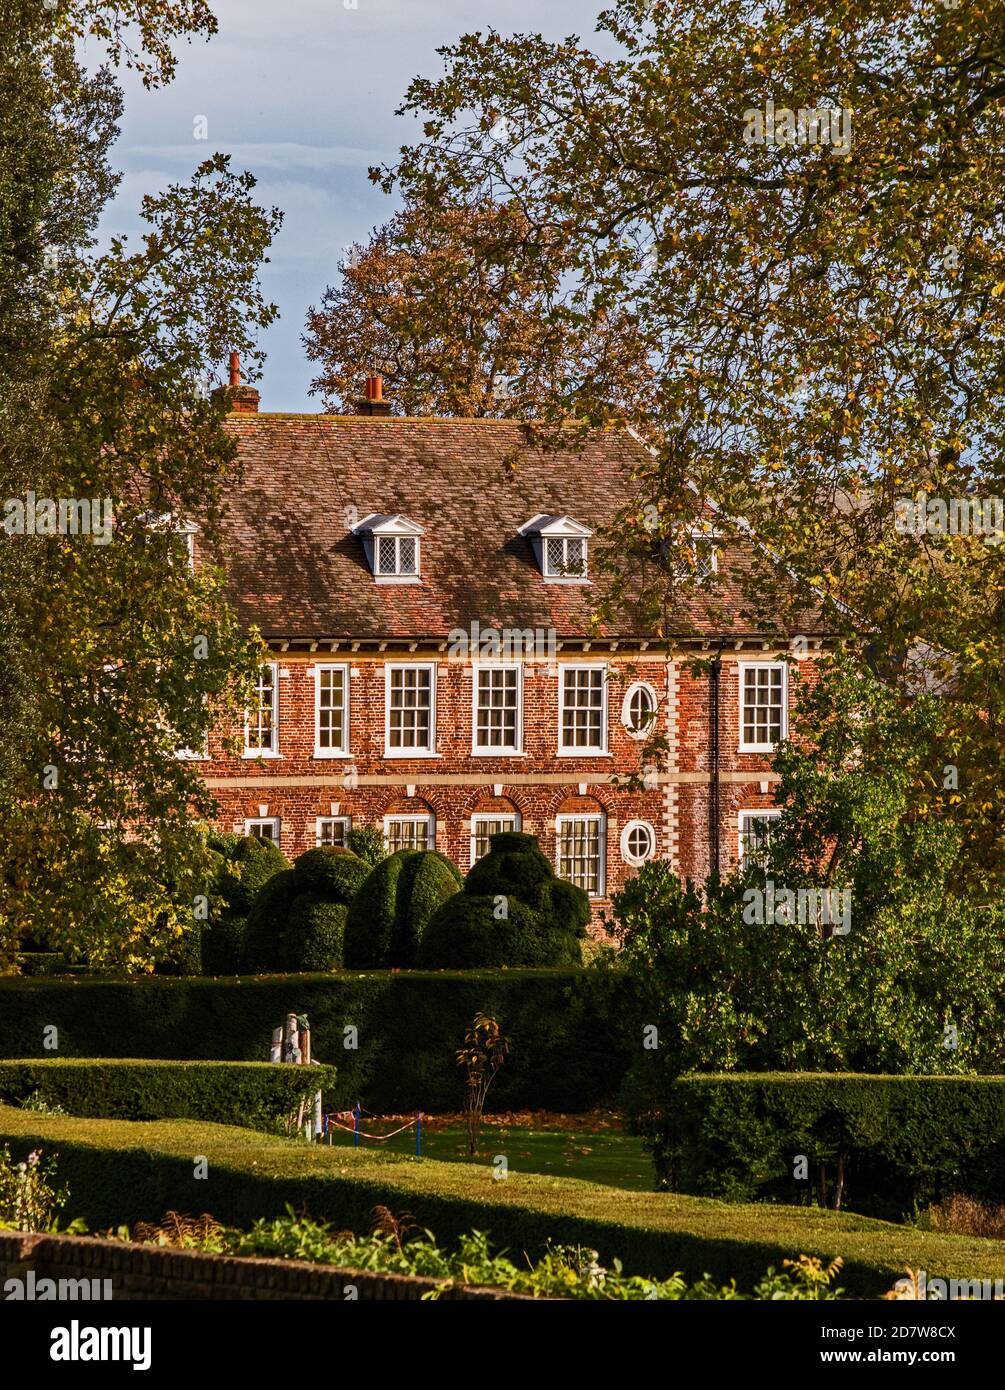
x: 243, y: 400
x: 372, y: 402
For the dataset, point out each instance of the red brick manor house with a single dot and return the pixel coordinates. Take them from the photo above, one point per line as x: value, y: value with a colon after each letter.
x: 434, y: 672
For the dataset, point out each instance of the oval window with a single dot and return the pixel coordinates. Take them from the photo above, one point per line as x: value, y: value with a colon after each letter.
x: 638, y: 713
x: 638, y: 842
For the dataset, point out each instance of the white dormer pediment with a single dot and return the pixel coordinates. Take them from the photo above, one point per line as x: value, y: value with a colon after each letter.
x: 545, y: 524
x: 388, y: 524
x: 391, y: 542
x: 560, y: 547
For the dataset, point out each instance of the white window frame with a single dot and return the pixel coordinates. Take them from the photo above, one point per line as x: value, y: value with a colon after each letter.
x: 330, y: 820
x: 757, y: 813
x: 482, y: 816
x: 430, y: 751
x: 626, y: 854
x: 743, y: 667
x: 600, y: 751
x: 273, y: 749
x: 344, y: 751
x: 626, y: 717
x: 601, y: 818
x: 508, y: 751
x: 422, y: 817
x: 275, y: 821
x: 397, y: 575
x: 565, y: 575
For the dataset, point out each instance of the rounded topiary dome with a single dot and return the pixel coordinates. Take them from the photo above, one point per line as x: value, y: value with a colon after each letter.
x: 388, y: 917
x: 298, y: 920
x: 512, y: 911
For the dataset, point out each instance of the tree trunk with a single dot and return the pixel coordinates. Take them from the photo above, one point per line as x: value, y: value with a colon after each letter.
x: 839, y: 1188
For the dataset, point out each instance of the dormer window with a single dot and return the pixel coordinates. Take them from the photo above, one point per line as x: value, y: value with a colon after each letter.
x: 564, y: 557
x: 392, y: 545
x: 397, y: 555
x: 700, y: 558
x: 560, y: 547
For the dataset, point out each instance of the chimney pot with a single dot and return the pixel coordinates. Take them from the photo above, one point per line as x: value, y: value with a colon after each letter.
x: 240, y: 400
x: 372, y: 401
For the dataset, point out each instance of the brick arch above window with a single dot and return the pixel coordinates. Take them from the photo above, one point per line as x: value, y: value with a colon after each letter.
x: 512, y: 798
x: 580, y: 805
x: 413, y: 806
x: 495, y: 806
x: 560, y: 795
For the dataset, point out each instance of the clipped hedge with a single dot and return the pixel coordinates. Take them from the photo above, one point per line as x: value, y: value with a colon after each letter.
x: 389, y: 914
x: 903, y: 1141
x: 568, y: 1050
x: 237, y: 1093
x: 120, y: 1173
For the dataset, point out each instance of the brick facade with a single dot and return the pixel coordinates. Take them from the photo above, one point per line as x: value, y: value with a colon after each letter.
x: 297, y: 787
x: 467, y: 494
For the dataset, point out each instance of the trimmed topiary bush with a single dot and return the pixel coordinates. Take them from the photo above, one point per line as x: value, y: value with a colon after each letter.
x: 297, y: 921
x: 389, y: 914
x: 333, y: 873
x: 244, y: 864
x: 515, y: 867
x: 265, y: 922
x: 314, y: 932
x: 512, y: 911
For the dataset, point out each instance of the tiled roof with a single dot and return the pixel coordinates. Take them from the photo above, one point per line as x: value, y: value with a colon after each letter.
x: 297, y: 571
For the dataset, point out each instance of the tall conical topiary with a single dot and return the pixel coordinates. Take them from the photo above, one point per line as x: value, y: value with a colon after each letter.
x: 512, y: 911
x: 389, y: 915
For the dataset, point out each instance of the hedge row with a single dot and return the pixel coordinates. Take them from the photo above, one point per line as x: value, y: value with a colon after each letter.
x: 567, y: 1049
x: 238, y: 1093
x: 120, y: 1173
x: 902, y: 1141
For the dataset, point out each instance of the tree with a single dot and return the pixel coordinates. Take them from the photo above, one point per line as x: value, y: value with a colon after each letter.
x: 123, y: 655
x: 822, y: 312
x: 437, y: 303
x: 483, y: 1053
x: 881, y: 959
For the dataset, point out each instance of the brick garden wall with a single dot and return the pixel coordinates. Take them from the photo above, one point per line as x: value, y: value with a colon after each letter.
x: 140, y: 1272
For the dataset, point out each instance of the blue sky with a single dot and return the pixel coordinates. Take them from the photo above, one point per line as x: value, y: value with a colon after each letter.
x: 303, y: 93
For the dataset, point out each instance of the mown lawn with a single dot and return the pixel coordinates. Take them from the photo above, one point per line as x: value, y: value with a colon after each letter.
x: 604, y: 1156
x: 121, y: 1171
